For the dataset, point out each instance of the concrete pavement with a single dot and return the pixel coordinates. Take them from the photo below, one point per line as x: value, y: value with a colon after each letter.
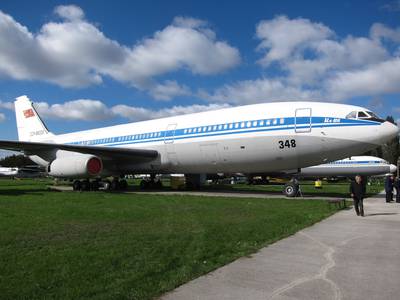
x: 230, y: 194
x: 342, y: 257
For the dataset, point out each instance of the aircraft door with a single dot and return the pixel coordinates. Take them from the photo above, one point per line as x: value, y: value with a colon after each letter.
x: 303, y: 120
x: 169, y: 139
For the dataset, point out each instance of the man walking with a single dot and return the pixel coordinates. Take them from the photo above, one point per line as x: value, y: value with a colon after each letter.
x: 357, y: 191
x: 397, y: 187
x: 389, y: 188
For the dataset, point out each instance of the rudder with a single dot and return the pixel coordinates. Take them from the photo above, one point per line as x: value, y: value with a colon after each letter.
x: 30, y: 126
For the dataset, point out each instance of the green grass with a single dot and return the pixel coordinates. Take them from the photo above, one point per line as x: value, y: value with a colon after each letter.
x: 64, y: 245
x: 329, y: 189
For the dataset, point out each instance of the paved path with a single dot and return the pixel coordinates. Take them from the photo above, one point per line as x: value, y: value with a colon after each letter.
x: 342, y: 257
x: 236, y: 194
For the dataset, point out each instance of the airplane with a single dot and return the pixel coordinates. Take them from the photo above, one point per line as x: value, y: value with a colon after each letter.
x: 258, y: 138
x: 24, y: 172
x: 348, y: 167
x: 8, y: 172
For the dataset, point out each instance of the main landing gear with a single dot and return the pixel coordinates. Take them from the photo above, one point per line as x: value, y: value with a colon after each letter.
x: 97, y: 184
x: 292, y: 188
x: 152, y: 183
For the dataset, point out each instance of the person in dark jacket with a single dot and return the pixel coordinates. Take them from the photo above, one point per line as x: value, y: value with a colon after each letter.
x: 357, y: 191
x: 389, y: 188
x: 397, y: 187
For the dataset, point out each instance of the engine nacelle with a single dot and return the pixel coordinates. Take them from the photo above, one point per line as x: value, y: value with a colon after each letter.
x: 76, y: 166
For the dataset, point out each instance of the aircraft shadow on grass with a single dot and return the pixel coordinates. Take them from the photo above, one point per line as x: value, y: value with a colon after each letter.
x: 20, y: 192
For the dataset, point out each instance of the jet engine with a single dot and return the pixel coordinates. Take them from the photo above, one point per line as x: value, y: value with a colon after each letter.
x: 75, y: 166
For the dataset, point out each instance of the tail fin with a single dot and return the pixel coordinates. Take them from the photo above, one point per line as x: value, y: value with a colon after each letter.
x: 30, y: 126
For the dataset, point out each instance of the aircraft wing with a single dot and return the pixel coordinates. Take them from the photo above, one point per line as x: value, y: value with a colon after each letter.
x: 133, y: 155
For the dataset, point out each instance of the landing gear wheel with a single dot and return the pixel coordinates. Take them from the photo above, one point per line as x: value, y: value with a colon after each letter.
x: 85, y: 185
x: 291, y: 189
x: 115, y: 185
x: 76, y: 186
x: 106, y: 185
x: 94, y: 185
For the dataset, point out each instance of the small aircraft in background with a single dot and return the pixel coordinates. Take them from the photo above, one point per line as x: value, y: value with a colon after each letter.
x: 348, y: 167
x: 23, y: 172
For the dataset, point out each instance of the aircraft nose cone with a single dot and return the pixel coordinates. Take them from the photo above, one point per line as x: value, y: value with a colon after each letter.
x: 389, y: 131
x: 393, y: 169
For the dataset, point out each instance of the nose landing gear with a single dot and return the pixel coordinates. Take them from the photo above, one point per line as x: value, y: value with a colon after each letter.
x: 292, y: 188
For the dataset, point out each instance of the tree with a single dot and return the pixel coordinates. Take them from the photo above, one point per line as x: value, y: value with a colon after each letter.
x: 16, y: 161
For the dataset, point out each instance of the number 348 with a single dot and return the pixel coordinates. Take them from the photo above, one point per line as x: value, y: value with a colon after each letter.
x: 287, y: 144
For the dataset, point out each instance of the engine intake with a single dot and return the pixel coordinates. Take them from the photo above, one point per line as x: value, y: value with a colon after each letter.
x: 76, y: 166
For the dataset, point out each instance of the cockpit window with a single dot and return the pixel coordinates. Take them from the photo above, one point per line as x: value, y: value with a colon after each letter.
x: 362, y: 115
x: 373, y: 115
x: 352, y: 115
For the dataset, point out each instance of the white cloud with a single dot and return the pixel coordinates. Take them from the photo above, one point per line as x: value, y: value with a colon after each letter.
x: 378, y: 79
x: 2, y: 117
x: 140, y: 113
x: 82, y: 109
x: 260, y: 90
x: 168, y: 90
x: 314, y: 64
x: 7, y: 105
x: 282, y: 36
x: 75, y: 53
x: 380, y: 31
x: 96, y: 110
x: 69, y: 12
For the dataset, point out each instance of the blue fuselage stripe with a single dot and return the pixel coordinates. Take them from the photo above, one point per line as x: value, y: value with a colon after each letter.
x: 241, y: 127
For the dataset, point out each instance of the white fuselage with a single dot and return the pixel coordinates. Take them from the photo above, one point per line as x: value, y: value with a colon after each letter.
x: 356, y: 165
x: 8, y: 172
x: 247, y: 139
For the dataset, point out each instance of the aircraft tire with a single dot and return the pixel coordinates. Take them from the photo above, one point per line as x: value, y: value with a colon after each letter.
x: 85, y: 185
x: 114, y: 185
x: 106, y: 185
x: 290, y: 189
x: 76, y: 186
x: 94, y: 185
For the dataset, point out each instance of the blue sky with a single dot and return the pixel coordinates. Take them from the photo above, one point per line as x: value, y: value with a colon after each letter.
x: 93, y: 63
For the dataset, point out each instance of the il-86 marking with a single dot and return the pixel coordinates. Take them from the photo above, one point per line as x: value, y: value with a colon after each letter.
x: 287, y: 144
